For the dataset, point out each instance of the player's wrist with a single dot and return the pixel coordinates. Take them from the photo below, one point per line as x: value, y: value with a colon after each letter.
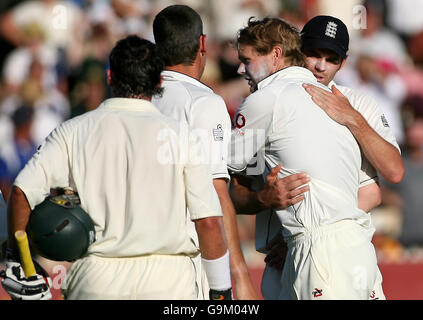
x: 218, y: 272
x: 356, y: 123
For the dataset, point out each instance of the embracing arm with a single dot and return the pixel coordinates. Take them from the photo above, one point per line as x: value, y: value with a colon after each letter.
x: 277, y: 192
x: 382, y: 155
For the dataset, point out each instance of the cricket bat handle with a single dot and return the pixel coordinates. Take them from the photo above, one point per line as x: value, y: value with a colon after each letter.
x: 25, y: 254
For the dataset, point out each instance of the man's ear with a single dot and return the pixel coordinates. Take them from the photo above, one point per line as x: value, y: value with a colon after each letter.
x: 109, y: 76
x: 203, y: 46
x: 277, y: 55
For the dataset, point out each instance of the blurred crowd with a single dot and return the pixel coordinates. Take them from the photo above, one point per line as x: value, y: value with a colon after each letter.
x: 54, y: 57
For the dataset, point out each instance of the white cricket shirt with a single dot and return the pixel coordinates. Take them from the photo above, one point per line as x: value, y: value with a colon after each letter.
x: 374, y: 116
x: 281, y: 123
x: 136, y: 173
x: 187, y: 99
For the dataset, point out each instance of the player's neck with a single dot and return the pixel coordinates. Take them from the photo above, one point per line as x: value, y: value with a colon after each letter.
x: 191, y: 70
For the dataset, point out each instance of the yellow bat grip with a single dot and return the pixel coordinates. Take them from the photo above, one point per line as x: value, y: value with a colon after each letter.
x: 25, y: 254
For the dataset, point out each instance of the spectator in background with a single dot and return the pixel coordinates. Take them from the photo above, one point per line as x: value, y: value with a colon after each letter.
x: 407, y: 196
x: 17, y: 63
x: 377, y: 56
x: 62, y: 23
x: 51, y: 107
x: 16, y: 152
x: 378, y: 41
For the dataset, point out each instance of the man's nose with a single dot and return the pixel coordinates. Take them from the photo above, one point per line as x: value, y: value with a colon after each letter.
x: 241, y: 69
x: 321, y: 65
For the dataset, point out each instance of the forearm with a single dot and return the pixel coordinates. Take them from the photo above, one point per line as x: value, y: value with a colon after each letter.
x: 382, y: 155
x: 230, y: 224
x: 211, y: 237
x: 244, y: 199
x: 18, y: 213
x: 239, y: 270
x: 369, y: 197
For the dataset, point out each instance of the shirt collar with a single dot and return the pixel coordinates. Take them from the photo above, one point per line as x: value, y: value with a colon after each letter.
x: 178, y: 76
x: 332, y: 83
x: 287, y: 73
x: 128, y: 104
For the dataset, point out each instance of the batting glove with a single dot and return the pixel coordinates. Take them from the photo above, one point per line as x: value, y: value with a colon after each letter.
x: 220, y: 294
x: 19, y: 287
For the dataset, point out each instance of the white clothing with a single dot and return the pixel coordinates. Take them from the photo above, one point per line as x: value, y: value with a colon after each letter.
x: 152, y: 277
x: 112, y: 157
x: 187, y: 99
x: 282, y: 124
x: 300, y: 135
x: 190, y: 101
x: 376, y: 119
x: 336, y: 261
x: 267, y: 225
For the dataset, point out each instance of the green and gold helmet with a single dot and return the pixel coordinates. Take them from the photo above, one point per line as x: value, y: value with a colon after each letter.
x: 59, y: 229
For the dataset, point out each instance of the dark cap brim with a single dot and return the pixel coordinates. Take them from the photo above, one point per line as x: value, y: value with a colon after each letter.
x: 313, y: 43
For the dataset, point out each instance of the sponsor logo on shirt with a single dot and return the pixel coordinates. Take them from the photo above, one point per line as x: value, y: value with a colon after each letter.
x: 218, y: 133
x: 240, y: 121
x: 384, y: 121
x: 317, y: 292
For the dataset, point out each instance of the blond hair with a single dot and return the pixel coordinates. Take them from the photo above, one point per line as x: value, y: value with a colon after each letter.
x: 264, y: 35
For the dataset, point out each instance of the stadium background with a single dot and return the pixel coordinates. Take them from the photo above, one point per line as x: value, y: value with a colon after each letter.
x: 53, y: 56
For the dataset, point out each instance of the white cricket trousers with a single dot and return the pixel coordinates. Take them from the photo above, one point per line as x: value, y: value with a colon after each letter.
x: 331, y: 262
x: 153, y: 277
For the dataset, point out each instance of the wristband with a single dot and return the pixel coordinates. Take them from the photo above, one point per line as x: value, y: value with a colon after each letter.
x: 218, y: 272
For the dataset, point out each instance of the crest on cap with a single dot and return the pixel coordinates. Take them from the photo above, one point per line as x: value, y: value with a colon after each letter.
x: 331, y: 29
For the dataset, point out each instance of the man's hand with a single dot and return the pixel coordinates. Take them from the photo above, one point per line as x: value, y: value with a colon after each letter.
x: 280, y: 193
x: 277, y: 255
x: 19, y: 287
x: 334, y: 103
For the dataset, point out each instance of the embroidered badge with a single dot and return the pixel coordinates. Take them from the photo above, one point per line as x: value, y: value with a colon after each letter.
x: 218, y: 133
x: 331, y: 29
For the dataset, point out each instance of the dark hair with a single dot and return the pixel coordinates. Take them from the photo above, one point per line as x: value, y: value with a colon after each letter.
x: 264, y: 35
x: 135, y: 68
x: 177, y: 30
x: 22, y: 115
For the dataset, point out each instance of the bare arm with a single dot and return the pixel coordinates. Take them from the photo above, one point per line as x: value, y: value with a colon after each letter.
x: 382, y: 155
x: 18, y: 213
x: 369, y: 197
x: 211, y: 237
x: 243, y: 285
x: 277, y: 193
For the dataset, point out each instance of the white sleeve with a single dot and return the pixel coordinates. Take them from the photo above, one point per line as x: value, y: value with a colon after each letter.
x: 48, y: 168
x: 212, y: 123
x: 251, y: 127
x: 374, y: 116
x: 201, y: 196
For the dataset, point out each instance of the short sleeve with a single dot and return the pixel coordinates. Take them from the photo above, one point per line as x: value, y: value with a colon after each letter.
x: 201, y: 197
x: 48, y: 168
x: 211, y: 122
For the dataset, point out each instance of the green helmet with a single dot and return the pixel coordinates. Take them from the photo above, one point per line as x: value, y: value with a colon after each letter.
x: 59, y: 229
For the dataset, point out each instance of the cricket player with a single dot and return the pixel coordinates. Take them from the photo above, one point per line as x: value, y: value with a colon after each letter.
x: 326, y: 231
x: 325, y: 56
x: 136, y: 173
x: 178, y: 33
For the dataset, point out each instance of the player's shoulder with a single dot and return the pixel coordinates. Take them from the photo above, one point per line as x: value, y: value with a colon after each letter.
x: 360, y: 100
